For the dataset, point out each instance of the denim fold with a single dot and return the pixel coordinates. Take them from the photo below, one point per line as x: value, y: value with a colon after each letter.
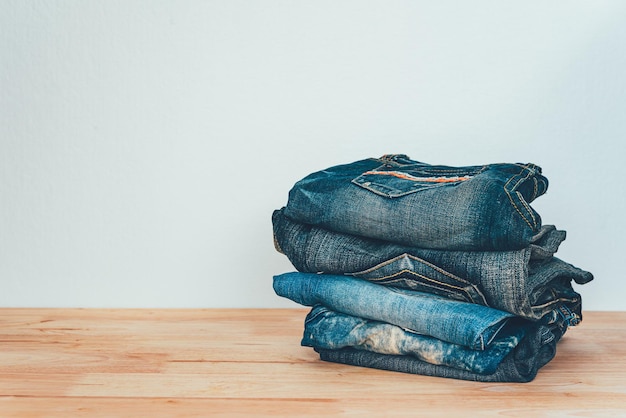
x: 396, y: 199
x: 467, y: 324
x: 529, y: 282
x: 521, y: 365
x: 326, y: 329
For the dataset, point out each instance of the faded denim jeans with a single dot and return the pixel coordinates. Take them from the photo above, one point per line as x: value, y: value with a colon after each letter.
x: 467, y: 324
x: 422, y: 333
x: 529, y: 282
x: 326, y: 329
x: 396, y: 199
x: 521, y: 365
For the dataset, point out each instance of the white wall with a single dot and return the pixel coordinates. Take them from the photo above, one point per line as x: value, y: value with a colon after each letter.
x: 144, y: 144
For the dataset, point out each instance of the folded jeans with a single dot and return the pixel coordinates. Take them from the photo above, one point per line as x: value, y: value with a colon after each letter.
x: 331, y: 330
x: 521, y: 365
x: 529, y: 282
x: 467, y: 324
x: 400, y: 200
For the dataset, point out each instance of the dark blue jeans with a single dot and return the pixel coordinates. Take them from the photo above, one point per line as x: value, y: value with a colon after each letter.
x: 327, y: 329
x: 520, y: 365
x: 396, y: 199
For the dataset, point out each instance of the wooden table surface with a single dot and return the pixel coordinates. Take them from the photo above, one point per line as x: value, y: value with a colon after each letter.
x: 249, y: 362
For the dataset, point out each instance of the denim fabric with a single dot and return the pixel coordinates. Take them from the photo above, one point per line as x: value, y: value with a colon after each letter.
x: 471, y: 325
x: 521, y: 365
x: 529, y: 282
x: 332, y: 330
x: 396, y: 199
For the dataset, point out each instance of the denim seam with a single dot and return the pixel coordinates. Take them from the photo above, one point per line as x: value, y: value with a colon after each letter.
x: 481, y: 342
x: 508, y: 192
x: 496, y: 332
x: 311, y: 316
x: 393, y: 193
x: 553, y: 302
x: 432, y: 266
x: 526, y: 206
x: 419, y: 260
x: 546, y: 336
x: 519, y: 195
x: 441, y: 285
x: 388, y: 161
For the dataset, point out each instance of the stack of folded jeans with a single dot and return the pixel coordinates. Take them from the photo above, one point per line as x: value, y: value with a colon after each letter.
x: 425, y: 269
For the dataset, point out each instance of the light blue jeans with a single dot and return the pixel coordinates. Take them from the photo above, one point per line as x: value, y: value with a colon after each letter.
x: 466, y: 324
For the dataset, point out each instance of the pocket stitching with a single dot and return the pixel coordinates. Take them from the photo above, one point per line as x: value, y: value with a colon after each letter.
x: 508, y: 191
x: 429, y: 265
x: 456, y: 171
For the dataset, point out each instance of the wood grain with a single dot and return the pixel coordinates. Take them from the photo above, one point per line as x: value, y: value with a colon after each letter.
x: 249, y: 362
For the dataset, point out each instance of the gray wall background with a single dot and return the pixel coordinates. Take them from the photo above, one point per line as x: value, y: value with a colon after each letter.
x: 144, y: 144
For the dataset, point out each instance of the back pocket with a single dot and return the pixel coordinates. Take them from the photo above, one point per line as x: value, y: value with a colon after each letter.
x: 392, y: 180
x: 407, y: 271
